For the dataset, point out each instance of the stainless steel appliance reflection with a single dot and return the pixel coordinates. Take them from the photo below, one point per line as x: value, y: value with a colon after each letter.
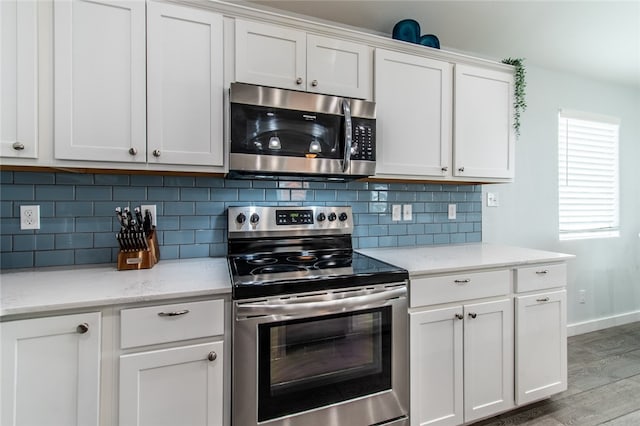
x: 319, y: 331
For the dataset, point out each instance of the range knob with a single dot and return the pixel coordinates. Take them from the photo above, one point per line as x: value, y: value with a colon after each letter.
x: 241, y: 218
x: 321, y: 217
x: 332, y: 217
x: 343, y: 216
x: 254, y: 218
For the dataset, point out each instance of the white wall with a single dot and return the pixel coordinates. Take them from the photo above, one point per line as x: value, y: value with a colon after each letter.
x: 608, y: 269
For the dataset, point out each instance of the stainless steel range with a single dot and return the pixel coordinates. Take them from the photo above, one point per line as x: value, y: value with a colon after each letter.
x: 319, y: 331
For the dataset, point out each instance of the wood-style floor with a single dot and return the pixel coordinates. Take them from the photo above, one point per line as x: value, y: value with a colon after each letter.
x: 604, y: 384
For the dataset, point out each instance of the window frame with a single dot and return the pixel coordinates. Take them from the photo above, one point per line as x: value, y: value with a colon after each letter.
x: 606, y: 174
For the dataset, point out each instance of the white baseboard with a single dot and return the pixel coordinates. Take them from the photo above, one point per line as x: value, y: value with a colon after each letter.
x: 602, y: 323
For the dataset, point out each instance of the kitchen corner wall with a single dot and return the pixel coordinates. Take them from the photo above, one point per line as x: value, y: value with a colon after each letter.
x: 78, y: 222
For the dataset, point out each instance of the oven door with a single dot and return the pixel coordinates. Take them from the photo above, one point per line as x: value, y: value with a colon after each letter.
x: 337, y: 358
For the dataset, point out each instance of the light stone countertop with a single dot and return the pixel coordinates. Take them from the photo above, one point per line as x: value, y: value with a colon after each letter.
x: 57, y: 288
x: 425, y: 260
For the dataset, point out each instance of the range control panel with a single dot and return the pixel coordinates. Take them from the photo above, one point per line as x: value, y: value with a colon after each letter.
x: 290, y: 220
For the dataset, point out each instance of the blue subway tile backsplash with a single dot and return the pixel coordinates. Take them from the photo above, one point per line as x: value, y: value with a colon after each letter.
x: 78, y: 222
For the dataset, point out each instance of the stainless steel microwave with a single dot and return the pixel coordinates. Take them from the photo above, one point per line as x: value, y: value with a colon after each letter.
x: 278, y: 132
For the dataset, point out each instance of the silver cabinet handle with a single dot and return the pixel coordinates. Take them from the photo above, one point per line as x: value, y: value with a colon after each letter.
x: 459, y: 316
x: 82, y: 328
x: 133, y: 151
x: 544, y: 299
x: 462, y: 281
x: 543, y: 272
x: 299, y: 80
x: 173, y: 314
x: 445, y: 168
x: 473, y: 314
x: 314, y: 83
x: 18, y: 146
x: 156, y: 153
x: 212, y: 356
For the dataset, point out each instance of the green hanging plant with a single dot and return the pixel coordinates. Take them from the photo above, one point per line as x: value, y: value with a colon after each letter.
x: 519, y: 102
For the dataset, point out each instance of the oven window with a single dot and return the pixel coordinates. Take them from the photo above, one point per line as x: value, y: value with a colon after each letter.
x: 313, y: 362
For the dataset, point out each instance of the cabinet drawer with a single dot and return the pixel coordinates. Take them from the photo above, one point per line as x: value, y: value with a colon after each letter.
x: 168, y: 323
x: 454, y: 288
x: 540, y: 277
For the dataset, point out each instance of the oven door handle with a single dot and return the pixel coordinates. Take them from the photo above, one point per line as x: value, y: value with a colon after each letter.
x: 290, y: 307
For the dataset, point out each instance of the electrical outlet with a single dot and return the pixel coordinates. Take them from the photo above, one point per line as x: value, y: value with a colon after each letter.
x: 29, y: 217
x: 582, y: 296
x: 396, y: 212
x: 406, y: 212
x: 152, y: 210
x: 452, y: 211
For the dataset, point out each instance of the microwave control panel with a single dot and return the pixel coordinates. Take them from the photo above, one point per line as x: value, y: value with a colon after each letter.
x: 362, y: 145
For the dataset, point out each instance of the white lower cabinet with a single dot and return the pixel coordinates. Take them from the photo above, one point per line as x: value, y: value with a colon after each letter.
x: 176, y: 386
x: 50, y: 370
x: 182, y: 384
x: 541, y: 345
x: 461, y: 362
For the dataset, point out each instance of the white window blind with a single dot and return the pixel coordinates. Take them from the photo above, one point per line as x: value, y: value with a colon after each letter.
x: 588, y: 175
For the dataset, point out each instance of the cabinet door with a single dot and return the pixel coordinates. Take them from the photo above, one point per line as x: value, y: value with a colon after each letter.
x: 99, y: 67
x: 177, y: 386
x: 483, y: 126
x: 270, y: 55
x: 339, y: 67
x: 488, y: 358
x: 541, y: 345
x: 50, y: 371
x: 18, y: 79
x: 435, y: 364
x: 185, y: 86
x: 413, y: 97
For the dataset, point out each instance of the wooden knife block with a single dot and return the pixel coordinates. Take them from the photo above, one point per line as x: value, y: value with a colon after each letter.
x: 141, y: 259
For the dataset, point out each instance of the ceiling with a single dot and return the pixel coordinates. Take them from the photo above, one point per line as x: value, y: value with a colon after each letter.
x: 595, y: 39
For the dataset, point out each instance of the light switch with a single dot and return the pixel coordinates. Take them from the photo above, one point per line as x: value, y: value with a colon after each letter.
x: 452, y: 211
x: 396, y: 212
x: 406, y: 212
x: 492, y: 199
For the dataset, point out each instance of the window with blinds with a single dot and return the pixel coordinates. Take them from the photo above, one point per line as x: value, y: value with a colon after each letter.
x: 588, y: 175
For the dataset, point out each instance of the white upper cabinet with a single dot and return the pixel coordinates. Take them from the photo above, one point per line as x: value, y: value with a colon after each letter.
x: 276, y: 56
x: 18, y: 79
x: 437, y: 123
x: 99, y: 57
x: 483, y: 127
x: 413, y: 100
x: 185, y: 86
x: 339, y: 67
x: 270, y: 55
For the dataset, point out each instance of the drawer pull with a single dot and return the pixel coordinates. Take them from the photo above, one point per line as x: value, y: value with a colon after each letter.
x: 82, y: 328
x: 18, y: 146
x: 462, y: 281
x: 212, y: 356
x: 544, y: 299
x: 473, y: 314
x: 459, y: 316
x: 173, y: 314
x: 543, y: 272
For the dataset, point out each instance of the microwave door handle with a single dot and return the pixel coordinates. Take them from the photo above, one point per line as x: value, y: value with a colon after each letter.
x: 348, y: 132
x: 325, y: 306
